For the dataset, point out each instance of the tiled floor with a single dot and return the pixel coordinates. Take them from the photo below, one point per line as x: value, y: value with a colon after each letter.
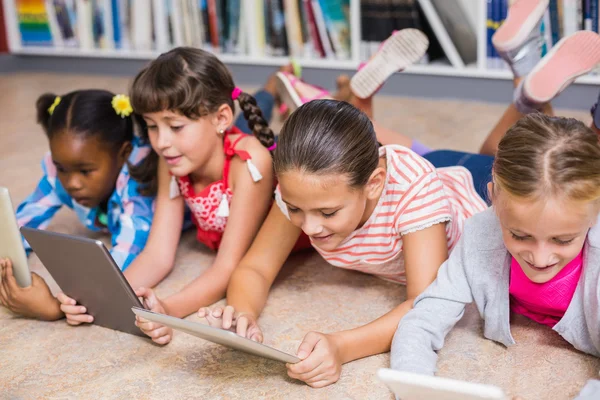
x: 53, y: 360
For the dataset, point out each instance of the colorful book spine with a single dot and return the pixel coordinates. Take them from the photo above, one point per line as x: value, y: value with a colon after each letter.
x: 314, y: 31
x: 587, y: 15
x: 233, y: 16
x: 594, y: 11
x: 490, y: 32
x: 33, y: 23
x: 213, y: 23
x: 554, y: 21
x: 337, y: 26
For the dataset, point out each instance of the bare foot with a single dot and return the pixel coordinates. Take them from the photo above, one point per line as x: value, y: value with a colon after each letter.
x: 344, y: 93
x: 271, y: 85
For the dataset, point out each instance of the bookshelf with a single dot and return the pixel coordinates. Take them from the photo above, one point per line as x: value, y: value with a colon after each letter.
x: 475, y: 9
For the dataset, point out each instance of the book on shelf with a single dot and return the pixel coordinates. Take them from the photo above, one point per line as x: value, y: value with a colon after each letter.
x: 380, y: 18
x: 257, y: 28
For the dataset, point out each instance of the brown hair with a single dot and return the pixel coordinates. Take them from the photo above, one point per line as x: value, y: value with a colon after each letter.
x: 192, y: 82
x: 542, y: 156
x: 328, y: 137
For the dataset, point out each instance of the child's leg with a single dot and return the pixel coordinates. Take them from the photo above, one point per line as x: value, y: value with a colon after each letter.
x: 479, y: 165
x: 265, y: 100
x: 402, y: 49
x: 537, y: 82
x: 508, y: 119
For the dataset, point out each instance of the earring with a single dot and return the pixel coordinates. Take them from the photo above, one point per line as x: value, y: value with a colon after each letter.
x: 221, y: 132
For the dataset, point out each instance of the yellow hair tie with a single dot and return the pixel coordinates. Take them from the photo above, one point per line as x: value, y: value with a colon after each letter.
x: 122, y: 105
x: 53, y: 106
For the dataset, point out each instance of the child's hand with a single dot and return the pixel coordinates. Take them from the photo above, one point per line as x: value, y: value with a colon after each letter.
x: 160, y: 334
x: 321, y: 364
x: 75, y: 313
x: 35, y: 301
x: 242, y: 323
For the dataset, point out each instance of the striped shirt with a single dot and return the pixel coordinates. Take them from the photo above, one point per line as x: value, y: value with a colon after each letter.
x: 129, y: 215
x: 416, y: 196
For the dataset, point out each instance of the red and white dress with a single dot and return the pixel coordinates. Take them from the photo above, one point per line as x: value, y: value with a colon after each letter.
x: 416, y: 196
x: 207, y: 205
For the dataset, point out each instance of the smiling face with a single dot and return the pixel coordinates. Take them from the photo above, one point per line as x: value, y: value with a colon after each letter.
x: 86, y: 167
x: 185, y: 144
x: 543, y: 236
x: 326, y: 207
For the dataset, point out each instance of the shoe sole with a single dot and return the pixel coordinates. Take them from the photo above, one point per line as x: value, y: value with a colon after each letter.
x: 286, y: 92
x: 398, y: 52
x: 570, y: 58
x: 521, y: 19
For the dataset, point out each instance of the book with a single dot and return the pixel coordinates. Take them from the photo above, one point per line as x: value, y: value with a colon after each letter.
x: 276, y: 34
x: 322, y: 29
x: 233, y: 25
x: 338, y: 26
x: 57, y: 39
x: 293, y: 29
x: 317, y: 46
x: 141, y: 25
x: 594, y: 14
x: 161, y: 25
x: 491, y: 28
x: 554, y: 21
x: 85, y: 29
x: 213, y: 23
x: 33, y: 23
x: 63, y: 18
x: 307, y: 44
x: 570, y: 17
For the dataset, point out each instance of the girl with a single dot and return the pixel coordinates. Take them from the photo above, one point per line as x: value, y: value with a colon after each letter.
x: 200, y: 161
x: 380, y: 210
x: 534, y: 253
x: 93, y: 150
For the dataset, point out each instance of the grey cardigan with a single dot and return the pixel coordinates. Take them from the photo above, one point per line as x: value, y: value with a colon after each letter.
x: 479, y: 270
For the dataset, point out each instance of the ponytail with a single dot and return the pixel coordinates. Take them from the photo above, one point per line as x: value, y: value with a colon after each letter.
x: 256, y: 122
x: 42, y: 105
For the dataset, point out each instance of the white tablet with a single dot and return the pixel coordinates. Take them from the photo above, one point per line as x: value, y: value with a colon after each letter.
x: 219, y: 336
x: 11, y: 242
x: 409, y: 386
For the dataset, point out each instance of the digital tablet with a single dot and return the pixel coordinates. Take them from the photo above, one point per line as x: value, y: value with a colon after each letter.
x: 219, y: 336
x: 11, y: 242
x: 409, y: 386
x: 86, y: 272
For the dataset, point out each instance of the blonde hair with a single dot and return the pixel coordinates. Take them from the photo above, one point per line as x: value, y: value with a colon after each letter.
x: 542, y: 156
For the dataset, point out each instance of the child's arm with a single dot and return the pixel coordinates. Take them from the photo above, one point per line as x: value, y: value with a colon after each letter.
x: 249, y: 206
x: 135, y: 221
x: 158, y: 256
x: 323, y: 355
x: 590, y: 391
x: 35, y: 301
x: 422, y: 331
x: 251, y: 281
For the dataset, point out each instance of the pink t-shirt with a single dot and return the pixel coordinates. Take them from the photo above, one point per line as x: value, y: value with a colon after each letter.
x: 545, y: 303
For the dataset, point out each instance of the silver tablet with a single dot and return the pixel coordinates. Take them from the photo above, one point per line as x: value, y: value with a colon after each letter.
x: 86, y: 272
x: 409, y: 386
x: 11, y: 242
x: 219, y: 336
